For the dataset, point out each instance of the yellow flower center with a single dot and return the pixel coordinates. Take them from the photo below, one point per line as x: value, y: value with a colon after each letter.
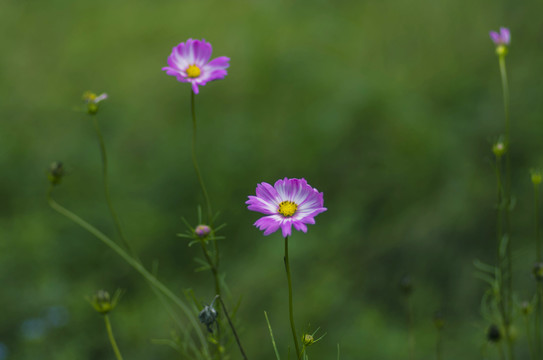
x: 193, y: 71
x: 287, y: 208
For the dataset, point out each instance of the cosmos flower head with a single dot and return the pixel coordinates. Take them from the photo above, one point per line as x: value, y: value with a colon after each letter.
x: 289, y: 202
x: 92, y: 100
x: 189, y: 62
x: 501, y: 38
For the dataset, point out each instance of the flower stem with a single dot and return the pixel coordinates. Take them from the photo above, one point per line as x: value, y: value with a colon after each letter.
x: 233, y: 329
x: 112, y: 338
x: 508, y: 204
x: 195, y: 162
x: 213, y: 264
x: 439, y: 345
x: 538, y: 309
x: 291, y: 311
x: 132, y: 262
x: 529, y: 337
x: 106, y: 188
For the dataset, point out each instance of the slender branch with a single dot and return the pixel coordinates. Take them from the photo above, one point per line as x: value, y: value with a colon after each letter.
x: 106, y: 188
x: 112, y: 338
x: 233, y: 329
x: 290, y: 308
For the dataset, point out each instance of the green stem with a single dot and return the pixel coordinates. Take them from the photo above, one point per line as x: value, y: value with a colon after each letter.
x: 233, y: 328
x: 506, y: 102
x: 132, y: 262
x: 195, y: 162
x: 539, y: 302
x: 439, y: 350
x: 529, y: 337
x: 214, y: 265
x: 112, y: 339
x: 214, y: 269
x: 290, y: 308
x: 106, y: 188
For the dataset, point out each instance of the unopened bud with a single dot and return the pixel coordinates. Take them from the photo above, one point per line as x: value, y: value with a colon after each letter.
x: 55, y: 172
x: 499, y: 149
x: 103, y: 303
x: 307, y: 339
x: 536, y: 177
x: 493, y: 333
x: 538, y: 271
x: 202, y: 230
x: 526, y: 308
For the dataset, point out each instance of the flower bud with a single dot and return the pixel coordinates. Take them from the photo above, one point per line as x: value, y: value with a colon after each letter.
x: 55, y: 172
x: 307, y: 339
x: 499, y: 149
x: 202, y: 231
x: 536, y: 177
x: 208, y: 316
x: 493, y: 333
x: 103, y: 303
x: 526, y: 308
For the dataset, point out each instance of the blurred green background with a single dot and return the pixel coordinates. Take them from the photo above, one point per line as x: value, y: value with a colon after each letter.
x: 388, y: 107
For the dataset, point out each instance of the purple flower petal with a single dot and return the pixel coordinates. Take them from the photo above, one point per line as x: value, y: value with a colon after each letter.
x: 505, y: 35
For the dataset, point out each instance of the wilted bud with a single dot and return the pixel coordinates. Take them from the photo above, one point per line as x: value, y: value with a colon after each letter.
x: 55, y: 172
x: 536, y: 177
x: 538, y: 271
x: 307, y: 339
x: 499, y: 148
x: 526, y: 308
x: 406, y: 285
x: 493, y: 333
x: 202, y: 231
x: 439, y: 321
x: 208, y: 316
x: 92, y: 101
x: 103, y: 303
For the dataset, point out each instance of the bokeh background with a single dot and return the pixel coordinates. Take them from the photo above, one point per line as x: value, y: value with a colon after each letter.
x: 389, y: 107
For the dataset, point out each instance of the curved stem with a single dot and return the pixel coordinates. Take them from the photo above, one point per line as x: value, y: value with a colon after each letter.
x: 106, y: 188
x: 290, y: 308
x: 132, y: 262
x: 112, y: 338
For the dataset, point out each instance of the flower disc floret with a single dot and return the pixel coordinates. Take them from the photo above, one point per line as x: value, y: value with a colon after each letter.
x: 189, y: 62
x: 288, y: 203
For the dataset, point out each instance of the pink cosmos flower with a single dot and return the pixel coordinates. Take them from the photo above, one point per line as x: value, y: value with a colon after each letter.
x: 189, y: 62
x: 501, y: 38
x: 289, y: 202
